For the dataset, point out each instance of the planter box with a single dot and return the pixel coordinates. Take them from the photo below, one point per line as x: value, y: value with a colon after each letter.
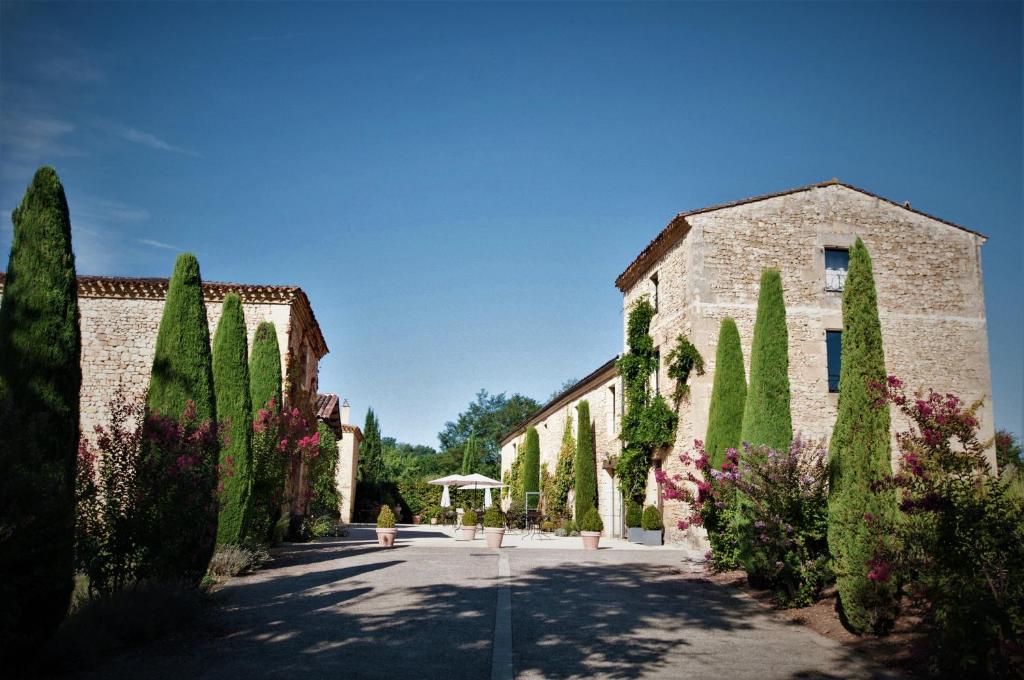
x: 634, y: 534
x: 651, y: 537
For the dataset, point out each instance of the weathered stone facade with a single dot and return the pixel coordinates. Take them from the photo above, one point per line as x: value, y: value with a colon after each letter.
x: 120, y: 317
x: 603, y: 390
x: 708, y: 265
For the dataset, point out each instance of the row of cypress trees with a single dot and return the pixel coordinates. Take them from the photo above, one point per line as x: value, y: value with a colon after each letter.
x: 40, y: 381
x: 859, y: 451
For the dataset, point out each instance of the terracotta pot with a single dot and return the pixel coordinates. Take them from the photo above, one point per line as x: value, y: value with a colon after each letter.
x: 386, y: 537
x: 467, y: 533
x: 416, y: 519
x: 433, y: 520
x: 494, y: 536
x: 590, y: 539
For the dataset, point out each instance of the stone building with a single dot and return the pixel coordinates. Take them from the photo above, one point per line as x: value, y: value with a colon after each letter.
x: 707, y: 263
x: 120, y: 317
x: 349, y: 438
x: 603, y: 390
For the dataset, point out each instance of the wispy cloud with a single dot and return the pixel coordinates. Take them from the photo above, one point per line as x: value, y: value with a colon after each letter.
x: 79, y: 70
x: 158, y: 244
x: 102, y: 210
x: 152, y: 141
x: 28, y: 139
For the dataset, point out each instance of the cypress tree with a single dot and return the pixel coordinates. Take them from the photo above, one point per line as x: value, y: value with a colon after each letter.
x: 182, y: 364
x: 234, y: 413
x: 371, y: 451
x: 265, y: 368
x: 859, y: 456
x: 585, y: 463
x: 470, y: 454
x: 565, y: 475
x: 40, y: 378
x: 766, y: 416
x: 531, y: 463
x: 728, y: 395
x: 181, y: 521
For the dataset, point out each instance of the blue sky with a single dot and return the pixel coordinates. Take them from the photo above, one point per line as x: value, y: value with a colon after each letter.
x: 457, y: 186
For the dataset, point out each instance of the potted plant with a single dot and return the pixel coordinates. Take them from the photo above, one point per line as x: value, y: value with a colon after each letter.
x: 494, y: 526
x: 652, y: 526
x: 634, y: 529
x: 386, y: 530
x: 591, y: 527
x: 431, y: 514
x: 468, y: 530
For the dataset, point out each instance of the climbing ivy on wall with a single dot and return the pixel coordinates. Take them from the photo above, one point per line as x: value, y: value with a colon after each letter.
x: 648, y: 422
x: 683, y: 360
x: 513, y: 479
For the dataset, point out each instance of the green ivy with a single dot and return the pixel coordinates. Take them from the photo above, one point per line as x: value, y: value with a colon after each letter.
x: 648, y: 423
x: 682, y: 360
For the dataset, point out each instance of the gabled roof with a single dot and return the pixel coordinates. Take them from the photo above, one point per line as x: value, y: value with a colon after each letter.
x: 327, y: 410
x: 678, y: 226
x: 602, y: 373
x: 213, y: 291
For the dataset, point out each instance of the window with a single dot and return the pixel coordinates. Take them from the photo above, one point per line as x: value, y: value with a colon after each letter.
x: 654, y: 374
x: 654, y: 283
x: 611, y: 409
x: 837, y: 261
x: 834, y: 349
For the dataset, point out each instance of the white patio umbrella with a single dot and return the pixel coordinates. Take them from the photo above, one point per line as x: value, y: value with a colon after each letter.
x: 446, y: 499
x: 477, y: 481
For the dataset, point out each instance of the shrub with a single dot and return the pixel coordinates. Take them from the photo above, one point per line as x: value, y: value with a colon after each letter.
x: 728, y: 395
x: 101, y: 625
x: 40, y: 377
x: 513, y: 480
x: 493, y: 518
x: 322, y: 485
x: 961, y: 537
x: 469, y: 519
x: 386, y: 518
x: 234, y: 409
x: 651, y: 519
x: 585, y: 464
x: 859, y: 457
x: 327, y: 525
x: 633, y: 515
x: 181, y: 395
x: 570, y: 528
x: 785, y: 545
x: 766, y: 416
x: 591, y: 521
x: 231, y: 560
x: 547, y: 526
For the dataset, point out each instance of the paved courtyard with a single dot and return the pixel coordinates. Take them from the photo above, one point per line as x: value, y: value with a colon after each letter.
x: 434, y: 608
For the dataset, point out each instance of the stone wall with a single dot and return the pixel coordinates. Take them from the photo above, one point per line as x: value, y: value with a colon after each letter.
x: 927, y: 275
x: 603, y: 391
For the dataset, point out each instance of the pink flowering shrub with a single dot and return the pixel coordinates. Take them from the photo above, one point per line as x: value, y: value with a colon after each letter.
x: 282, y: 441
x: 784, y: 546
x: 146, y: 497
x: 960, y: 551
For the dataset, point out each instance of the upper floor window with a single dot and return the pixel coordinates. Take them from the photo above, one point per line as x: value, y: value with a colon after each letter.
x: 834, y: 350
x: 654, y: 295
x: 837, y: 262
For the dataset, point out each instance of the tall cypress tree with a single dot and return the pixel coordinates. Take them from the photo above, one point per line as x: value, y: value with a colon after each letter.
x: 265, y: 368
x: 859, y: 455
x: 470, y: 454
x: 585, y: 463
x: 728, y: 395
x: 531, y: 464
x: 565, y: 476
x: 234, y: 413
x: 40, y: 378
x: 180, y: 539
x: 766, y: 416
x: 371, y: 451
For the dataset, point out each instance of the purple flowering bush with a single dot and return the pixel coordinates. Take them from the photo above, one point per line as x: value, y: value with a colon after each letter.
x: 784, y: 547
x: 145, y: 505
x: 960, y: 548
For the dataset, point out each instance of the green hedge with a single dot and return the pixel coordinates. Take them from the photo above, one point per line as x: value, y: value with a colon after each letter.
x: 651, y: 520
